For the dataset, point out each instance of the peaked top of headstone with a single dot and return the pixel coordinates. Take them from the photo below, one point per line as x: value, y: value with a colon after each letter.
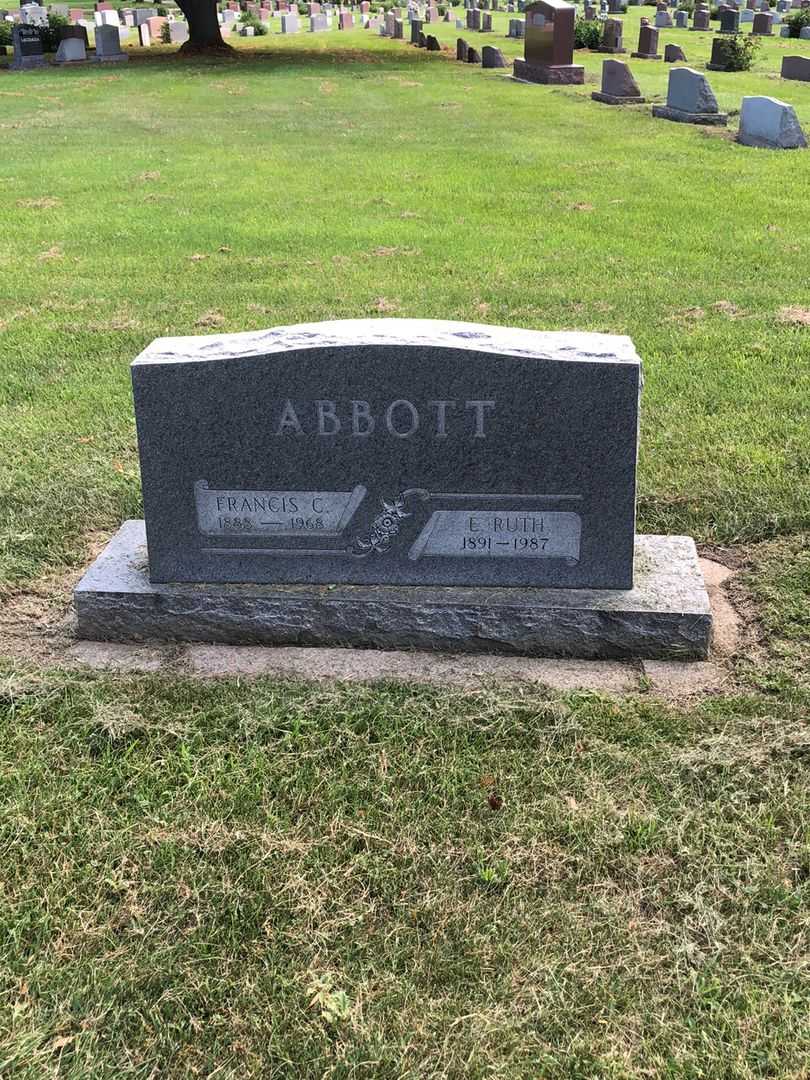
x: 427, y: 333
x: 617, y: 80
x: 689, y: 91
x: 544, y: 5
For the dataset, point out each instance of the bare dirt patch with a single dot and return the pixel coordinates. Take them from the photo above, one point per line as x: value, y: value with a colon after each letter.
x: 44, y: 202
x: 37, y: 626
x: 794, y: 316
x: 210, y: 318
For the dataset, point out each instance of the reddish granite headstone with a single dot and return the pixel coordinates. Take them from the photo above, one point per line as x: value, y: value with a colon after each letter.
x: 618, y: 85
x: 549, y: 44
x: 647, y: 44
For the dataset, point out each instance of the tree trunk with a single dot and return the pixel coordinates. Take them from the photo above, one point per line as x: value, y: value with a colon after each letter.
x: 203, y: 27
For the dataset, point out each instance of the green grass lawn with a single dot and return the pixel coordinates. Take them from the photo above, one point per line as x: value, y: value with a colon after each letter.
x: 253, y: 878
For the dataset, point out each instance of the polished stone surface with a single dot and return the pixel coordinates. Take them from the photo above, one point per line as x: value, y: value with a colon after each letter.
x: 393, y: 451
x: 665, y: 616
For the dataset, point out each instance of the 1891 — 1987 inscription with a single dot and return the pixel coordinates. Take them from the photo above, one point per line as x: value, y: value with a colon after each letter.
x: 390, y: 452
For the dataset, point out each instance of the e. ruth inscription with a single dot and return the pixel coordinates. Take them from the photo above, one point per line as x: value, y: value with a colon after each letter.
x: 390, y: 452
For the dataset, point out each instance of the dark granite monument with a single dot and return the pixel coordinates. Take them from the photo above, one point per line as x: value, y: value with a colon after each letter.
x: 395, y: 483
x: 549, y: 49
x: 647, y: 44
x: 729, y: 21
x: 618, y: 85
x: 28, y: 50
x: 796, y: 67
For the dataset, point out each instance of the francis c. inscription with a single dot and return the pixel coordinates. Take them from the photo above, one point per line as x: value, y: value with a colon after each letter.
x: 274, y: 513
x: 390, y: 452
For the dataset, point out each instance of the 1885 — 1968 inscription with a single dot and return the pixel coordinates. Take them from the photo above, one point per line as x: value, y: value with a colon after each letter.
x: 390, y: 452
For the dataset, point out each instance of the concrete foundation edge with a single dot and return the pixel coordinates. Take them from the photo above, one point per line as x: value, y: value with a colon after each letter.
x: 665, y: 616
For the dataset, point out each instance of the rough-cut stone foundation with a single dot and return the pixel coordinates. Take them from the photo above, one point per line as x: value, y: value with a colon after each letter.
x: 665, y: 616
x: 559, y: 74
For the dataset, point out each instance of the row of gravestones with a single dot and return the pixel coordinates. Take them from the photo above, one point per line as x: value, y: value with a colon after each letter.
x: 548, y: 58
x: 612, y: 42
x: 488, y: 57
x: 764, y: 121
x: 72, y: 48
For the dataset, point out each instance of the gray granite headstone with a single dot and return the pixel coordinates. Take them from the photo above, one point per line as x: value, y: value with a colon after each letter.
x: 690, y: 99
x: 71, y: 51
x: 770, y: 123
x: 398, y: 452
x: 108, y: 45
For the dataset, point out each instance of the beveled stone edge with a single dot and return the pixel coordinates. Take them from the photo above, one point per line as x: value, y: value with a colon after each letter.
x: 418, y: 333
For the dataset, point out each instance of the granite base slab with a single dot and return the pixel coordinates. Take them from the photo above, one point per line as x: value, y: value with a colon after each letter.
x: 612, y: 99
x: 717, y: 119
x: 665, y: 616
x: 645, y: 56
x: 558, y: 75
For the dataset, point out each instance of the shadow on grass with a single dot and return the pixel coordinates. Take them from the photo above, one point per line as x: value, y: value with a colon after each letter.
x: 262, y: 58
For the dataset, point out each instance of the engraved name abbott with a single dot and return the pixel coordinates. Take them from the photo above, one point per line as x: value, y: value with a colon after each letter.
x: 401, y: 419
x: 500, y: 534
x: 231, y: 512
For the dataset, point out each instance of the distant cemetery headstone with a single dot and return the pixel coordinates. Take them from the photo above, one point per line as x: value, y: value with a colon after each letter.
x: 79, y: 32
x: 612, y: 31
x: 663, y: 19
x: 71, y: 50
x: 473, y: 55
x: 700, y: 19
x: 289, y: 24
x: 34, y: 15
x: 461, y: 50
x: 681, y: 20
x: 323, y: 484
x: 492, y: 57
x: 796, y: 67
x: 27, y: 45
x: 771, y: 124
x: 690, y: 100
x: 549, y: 44
x: 763, y: 24
x: 618, y: 85
x: 729, y: 21
x: 108, y: 45
x: 432, y: 44
x: 647, y: 44
x: 674, y: 54
x: 179, y: 32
